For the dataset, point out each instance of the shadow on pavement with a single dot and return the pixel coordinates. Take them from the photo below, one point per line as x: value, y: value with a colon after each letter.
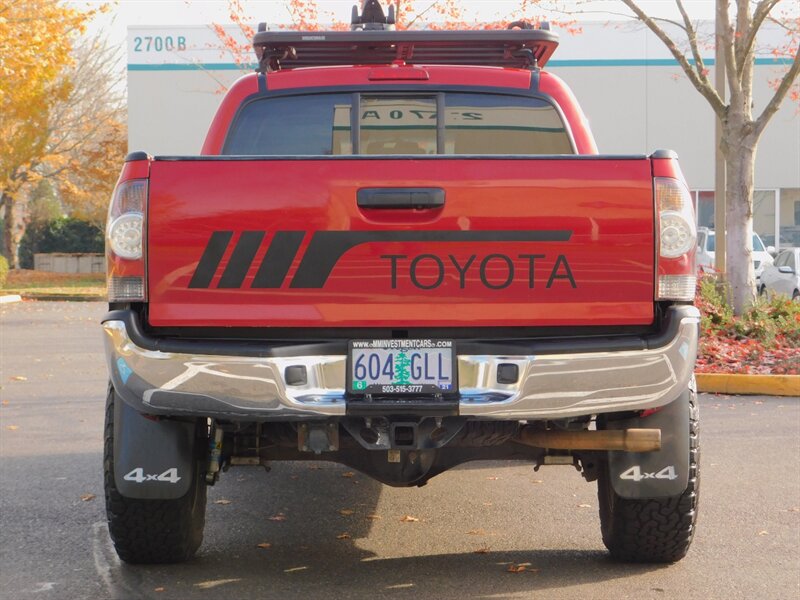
x: 297, y: 510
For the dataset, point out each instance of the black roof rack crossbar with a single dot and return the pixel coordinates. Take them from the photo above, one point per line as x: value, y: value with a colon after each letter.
x: 517, y: 48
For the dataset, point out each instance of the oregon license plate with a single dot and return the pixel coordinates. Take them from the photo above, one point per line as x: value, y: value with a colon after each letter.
x: 401, y: 367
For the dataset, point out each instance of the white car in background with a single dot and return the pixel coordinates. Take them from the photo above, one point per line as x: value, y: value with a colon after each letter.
x: 704, y: 259
x: 783, y: 277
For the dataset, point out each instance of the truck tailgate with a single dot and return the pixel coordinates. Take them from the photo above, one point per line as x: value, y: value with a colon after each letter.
x: 284, y: 243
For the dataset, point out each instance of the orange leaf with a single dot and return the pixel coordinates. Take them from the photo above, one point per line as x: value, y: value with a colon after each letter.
x: 409, y: 519
x: 343, y: 536
x: 222, y: 501
x: 264, y: 545
x: 346, y: 512
x: 87, y: 497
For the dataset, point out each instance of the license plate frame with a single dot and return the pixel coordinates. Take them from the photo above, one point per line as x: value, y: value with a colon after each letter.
x: 411, y: 386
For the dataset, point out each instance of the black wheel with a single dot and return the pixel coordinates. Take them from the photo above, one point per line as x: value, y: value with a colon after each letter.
x: 652, y: 530
x: 762, y: 291
x: 152, y: 531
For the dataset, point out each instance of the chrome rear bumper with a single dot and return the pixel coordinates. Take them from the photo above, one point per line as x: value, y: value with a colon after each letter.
x: 550, y: 385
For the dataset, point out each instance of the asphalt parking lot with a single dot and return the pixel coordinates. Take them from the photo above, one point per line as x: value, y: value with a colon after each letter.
x: 314, y: 530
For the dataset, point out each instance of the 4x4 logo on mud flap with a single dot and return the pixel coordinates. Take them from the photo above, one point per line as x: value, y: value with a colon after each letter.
x: 327, y: 247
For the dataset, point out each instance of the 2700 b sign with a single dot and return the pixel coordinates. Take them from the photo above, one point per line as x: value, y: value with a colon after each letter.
x: 401, y: 367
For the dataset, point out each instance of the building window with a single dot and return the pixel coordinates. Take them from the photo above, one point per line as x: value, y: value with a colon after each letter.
x: 789, y: 218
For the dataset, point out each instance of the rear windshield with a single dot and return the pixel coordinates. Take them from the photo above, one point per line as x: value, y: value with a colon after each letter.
x: 454, y: 123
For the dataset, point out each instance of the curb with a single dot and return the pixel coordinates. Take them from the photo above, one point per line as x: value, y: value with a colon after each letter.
x: 10, y: 298
x: 43, y: 297
x: 60, y: 298
x: 762, y: 385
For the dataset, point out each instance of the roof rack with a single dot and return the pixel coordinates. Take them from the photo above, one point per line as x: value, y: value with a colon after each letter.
x: 374, y: 41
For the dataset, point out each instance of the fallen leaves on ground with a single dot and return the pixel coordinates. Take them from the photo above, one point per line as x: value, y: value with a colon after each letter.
x: 348, y: 474
x: 207, y: 585
x: 584, y: 506
x: 12, y: 427
x: 493, y: 478
x: 537, y: 481
x: 222, y: 501
x: 515, y: 568
x: 374, y: 517
x: 278, y: 517
x: 476, y: 532
x: 409, y: 519
x: 264, y: 545
x: 19, y: 378
x: 483, y: 550
x: 159, y: 589
x: 343, y: 536
x: 763, y: 532
x: 87, y: 497
x: 295, y: 569
x: 765, y: 340
x: 346, y: 512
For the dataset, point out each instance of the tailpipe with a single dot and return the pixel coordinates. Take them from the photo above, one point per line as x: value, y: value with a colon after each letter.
x: 626, y: 440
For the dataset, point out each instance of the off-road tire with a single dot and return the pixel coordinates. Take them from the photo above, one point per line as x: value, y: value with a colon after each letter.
x: 652, y: 530
x: 152, y: 531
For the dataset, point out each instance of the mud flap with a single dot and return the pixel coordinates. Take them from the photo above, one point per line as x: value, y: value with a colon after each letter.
x: 153, y: 460
x: 654, y: 474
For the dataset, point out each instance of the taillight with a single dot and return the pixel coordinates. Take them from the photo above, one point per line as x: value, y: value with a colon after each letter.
x: 125, y: 242
x: 677, y: 241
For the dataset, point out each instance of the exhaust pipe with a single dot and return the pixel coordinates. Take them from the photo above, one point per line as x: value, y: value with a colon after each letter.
x: 627, y: 440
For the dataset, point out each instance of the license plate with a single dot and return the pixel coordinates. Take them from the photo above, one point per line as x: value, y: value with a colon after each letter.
x: 398, y: 367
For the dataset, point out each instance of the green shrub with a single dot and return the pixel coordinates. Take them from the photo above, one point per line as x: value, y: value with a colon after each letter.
x: 717, y: 314
x: 771, y: 321
x: 3, y: 270
x: 59, y: 235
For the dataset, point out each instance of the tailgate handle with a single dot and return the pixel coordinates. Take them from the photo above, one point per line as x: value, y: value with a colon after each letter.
x: 411, y: 198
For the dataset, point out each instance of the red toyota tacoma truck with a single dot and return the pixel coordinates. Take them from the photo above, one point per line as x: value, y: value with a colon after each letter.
x: 401, y: 251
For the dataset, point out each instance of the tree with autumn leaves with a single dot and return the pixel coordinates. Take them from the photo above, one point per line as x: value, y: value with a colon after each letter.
x: 61, y: 116
x: 743, y: 123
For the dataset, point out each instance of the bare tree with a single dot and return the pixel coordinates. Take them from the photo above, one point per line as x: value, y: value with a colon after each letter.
x: 741, y: 130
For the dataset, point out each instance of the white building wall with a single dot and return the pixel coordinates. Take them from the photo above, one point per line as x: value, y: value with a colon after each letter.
x: 634, y: 94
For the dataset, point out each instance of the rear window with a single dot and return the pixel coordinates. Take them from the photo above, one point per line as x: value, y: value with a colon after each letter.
x: 398, y: 124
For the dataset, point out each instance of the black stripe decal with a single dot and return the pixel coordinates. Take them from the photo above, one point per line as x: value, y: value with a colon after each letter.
x: 327, y: 247
x: 209, y: 262
x: 278, y: 259
x: 241, y: 258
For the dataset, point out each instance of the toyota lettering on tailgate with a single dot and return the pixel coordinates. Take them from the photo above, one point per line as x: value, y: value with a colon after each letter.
x: 326, y: 248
